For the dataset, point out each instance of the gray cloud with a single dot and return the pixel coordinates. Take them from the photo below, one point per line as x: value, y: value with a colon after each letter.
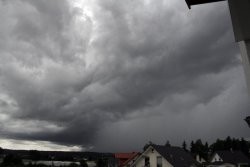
x: 69, y: 73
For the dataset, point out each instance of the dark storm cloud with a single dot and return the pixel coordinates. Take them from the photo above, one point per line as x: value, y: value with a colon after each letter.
x: 71, y: 72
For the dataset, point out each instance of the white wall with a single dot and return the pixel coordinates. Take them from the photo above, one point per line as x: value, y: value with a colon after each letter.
x: 153, y: 159
x: 216, y: 158
x: 199, y: 159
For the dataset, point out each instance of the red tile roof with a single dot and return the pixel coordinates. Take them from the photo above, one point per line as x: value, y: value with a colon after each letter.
x: 123, y: 155
x: 124, y: 158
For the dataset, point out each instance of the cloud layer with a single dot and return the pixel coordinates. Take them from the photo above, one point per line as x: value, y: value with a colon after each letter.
x: 83, y: 73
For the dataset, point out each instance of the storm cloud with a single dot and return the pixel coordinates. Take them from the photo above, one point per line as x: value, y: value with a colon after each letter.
x: 81, y: 73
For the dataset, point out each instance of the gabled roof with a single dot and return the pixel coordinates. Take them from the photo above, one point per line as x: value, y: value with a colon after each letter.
x: 234, y: 157
x: 176, y: 156
x: 125, y: 157
x: 132, y: 158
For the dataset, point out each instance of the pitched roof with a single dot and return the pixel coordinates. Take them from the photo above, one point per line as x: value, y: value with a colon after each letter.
x: 233, y: 157
x: 176, y: 156
x: 125, y: 155
x: 132, y: 158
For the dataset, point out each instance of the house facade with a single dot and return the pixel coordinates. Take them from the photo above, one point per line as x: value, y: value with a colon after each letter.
x: 228, y: 159
x: 162, y: 156
x: 199, y: 159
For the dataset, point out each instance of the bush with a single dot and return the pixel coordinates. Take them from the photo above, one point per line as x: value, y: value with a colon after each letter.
x: 12, y: 160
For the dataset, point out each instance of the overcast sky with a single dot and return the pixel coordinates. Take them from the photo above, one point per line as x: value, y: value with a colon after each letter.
x: 111, y: 75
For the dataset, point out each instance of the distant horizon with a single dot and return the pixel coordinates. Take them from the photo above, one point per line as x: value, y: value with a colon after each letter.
x: 188, y: 146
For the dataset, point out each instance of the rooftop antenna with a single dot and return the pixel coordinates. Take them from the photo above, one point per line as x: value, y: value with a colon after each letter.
x: 240, y: 15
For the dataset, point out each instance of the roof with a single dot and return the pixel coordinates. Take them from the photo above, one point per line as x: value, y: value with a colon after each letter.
x: 176, y: 156
x: 125, y: 155
x: 196, y: 2
x: 132, y: 159
x: 234, y: 157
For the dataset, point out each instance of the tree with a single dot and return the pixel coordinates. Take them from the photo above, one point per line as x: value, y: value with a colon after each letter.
x: 12, y: 160
x: 1, y: 150
x: 147, y: 145
x: 231, y: 144
x: 244, y: 146
x: 184, y: 146
x: 167, y: 144
x: 206, y: 149
x: 83, y: 163
x: 73, y: 165
x: 218, y: 145
x: 34, y: 155
x: 199, y: 148
x: 101, y: 163
x: 192, y: 149
x: 228, y: 143
x: 236, y: 144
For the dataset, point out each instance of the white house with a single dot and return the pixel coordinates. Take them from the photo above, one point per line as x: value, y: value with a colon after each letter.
x: 200, y: 159
x: 228, y: 159
x: 162, y: 156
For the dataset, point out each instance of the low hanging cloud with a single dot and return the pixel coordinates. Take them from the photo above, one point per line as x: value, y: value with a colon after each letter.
x: 70, y: 68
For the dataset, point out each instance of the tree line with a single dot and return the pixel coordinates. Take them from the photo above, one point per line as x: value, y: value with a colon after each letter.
x: 205, y: 150
x: 16, y: 159
x: 227, y: 144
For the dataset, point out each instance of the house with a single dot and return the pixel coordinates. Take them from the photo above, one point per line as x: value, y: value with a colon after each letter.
x: 163, y: 156
x: 228, y: 159
x: 199, y: 158
x: 125, y: 158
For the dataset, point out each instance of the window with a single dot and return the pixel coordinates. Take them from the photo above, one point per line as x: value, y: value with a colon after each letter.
x: 159, y: 162
x: 147, y: 163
